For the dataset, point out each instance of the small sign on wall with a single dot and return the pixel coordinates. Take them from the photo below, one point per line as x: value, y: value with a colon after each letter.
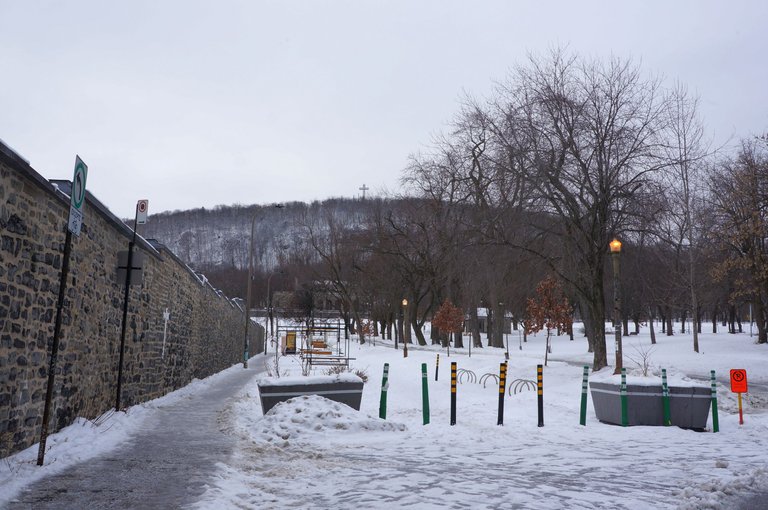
x: 137, y: 267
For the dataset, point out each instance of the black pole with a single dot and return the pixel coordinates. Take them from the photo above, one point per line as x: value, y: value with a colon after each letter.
x: 125, y: 310
x: 54, y: 348
x: 453, y: 393
x: 502, y: 391
x: 437, y: 367
x: 540, y: 387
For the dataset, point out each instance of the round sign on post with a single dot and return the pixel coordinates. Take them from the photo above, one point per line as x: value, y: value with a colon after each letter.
x: 142, y: 208
x: 78, y: 184
x: 77, y: 196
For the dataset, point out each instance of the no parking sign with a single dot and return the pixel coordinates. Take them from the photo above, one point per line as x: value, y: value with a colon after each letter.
x: 142, y: 209
x: 738, y: 380
x: 739, y: 386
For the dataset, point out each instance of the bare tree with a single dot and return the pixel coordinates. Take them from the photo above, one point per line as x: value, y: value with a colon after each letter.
x: 687, y: 151
x: 740, y: 201
x: 589, y: 136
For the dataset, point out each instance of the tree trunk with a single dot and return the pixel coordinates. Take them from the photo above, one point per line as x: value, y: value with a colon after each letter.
x: 418, y: 331
x: 758, y: 316
x: 683, y: 317
x: 588, y: 330
x: 597, y: 319
x: 714, y: 320
x: 458, y: 340
x: 359, y: 325
x: 347, y: 326
x: 732, y: 319
x: 670, y: 331
x: 474, y: 323
x: 434, y: 335
x: 650, y: 323
x: 498, y: 326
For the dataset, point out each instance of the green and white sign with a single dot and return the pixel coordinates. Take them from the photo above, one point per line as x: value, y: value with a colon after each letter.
x: 77, y: 196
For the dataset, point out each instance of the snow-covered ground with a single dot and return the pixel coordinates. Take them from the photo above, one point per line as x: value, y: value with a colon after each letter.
x: 313, y: 453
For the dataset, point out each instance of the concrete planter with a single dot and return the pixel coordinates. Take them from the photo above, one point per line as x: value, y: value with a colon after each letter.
x: 689, y: 406
x: 344, y: 388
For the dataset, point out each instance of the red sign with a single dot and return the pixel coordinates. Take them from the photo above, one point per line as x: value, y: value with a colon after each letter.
x: 738, y: 380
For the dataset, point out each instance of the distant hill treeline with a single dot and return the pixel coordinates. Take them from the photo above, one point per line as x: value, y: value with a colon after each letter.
x: 218, y: 238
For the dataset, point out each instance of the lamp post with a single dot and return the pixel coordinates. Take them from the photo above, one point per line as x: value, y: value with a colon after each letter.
x: 248, y: 297
x: 248, y: 292
x: 615, y: 255
x: 405, y: 318
x: 269, y: 322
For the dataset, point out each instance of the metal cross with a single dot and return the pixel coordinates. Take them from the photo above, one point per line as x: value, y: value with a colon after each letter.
x: 364, y: 188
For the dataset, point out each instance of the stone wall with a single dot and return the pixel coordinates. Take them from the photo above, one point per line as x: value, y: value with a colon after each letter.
x: 204, y: 333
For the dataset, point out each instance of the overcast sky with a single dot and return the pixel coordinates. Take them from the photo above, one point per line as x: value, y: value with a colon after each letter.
x: 191, y: 103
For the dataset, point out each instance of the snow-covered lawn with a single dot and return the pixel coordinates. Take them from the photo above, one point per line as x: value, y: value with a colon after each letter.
x: 313, y: 453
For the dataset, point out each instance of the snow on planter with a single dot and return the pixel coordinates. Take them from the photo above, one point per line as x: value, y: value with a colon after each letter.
x: 308, y: 416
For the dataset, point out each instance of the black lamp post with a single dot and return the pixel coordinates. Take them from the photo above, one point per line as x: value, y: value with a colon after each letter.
x: 248, y: 297
x: 405, y: 318
x: 616, y: 255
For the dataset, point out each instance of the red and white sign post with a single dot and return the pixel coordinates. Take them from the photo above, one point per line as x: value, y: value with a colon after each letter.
x: 739, y: 386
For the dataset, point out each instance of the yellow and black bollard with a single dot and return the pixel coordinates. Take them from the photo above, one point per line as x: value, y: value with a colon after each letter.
x: 437, y: 367
x: 502, y: 391
x: 540, y: 388
x: 453, y: 393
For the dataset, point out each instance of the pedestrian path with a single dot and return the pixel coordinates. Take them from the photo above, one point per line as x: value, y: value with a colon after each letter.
x: 166, y: 464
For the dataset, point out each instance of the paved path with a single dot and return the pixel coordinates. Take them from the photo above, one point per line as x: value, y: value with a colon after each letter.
x: 165, y: 465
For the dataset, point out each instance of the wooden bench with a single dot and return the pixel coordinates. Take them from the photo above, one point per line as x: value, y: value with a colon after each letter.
x: 315, y: 352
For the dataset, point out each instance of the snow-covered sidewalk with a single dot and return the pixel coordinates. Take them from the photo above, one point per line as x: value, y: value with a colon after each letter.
x: 157, y: 455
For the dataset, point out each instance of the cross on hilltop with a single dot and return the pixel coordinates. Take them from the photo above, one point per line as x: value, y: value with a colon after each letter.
x: 364, y: 188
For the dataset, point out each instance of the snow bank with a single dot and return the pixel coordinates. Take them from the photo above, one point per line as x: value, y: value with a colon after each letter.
x: 310, y: 416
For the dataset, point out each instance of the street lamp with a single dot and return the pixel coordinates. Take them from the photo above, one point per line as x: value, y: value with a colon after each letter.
x: 248, y: 293
x: 405, y: 318
x: 269, y: 323
x: 248, y: 296
x: 615, y: 255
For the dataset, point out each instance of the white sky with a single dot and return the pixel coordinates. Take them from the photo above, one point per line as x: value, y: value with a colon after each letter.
x: 191, y: 103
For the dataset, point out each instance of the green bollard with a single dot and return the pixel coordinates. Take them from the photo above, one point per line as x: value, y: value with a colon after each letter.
x: 584, y: 385
x: 624, y: 413
x: 715, y: 422
x: 667, y: 420
x: 384, y: 388
x: 424, y: 393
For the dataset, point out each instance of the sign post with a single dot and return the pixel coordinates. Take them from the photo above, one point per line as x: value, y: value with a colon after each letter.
x: 76, y: 215
x: 739, y: 386
x: 140, y: 218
